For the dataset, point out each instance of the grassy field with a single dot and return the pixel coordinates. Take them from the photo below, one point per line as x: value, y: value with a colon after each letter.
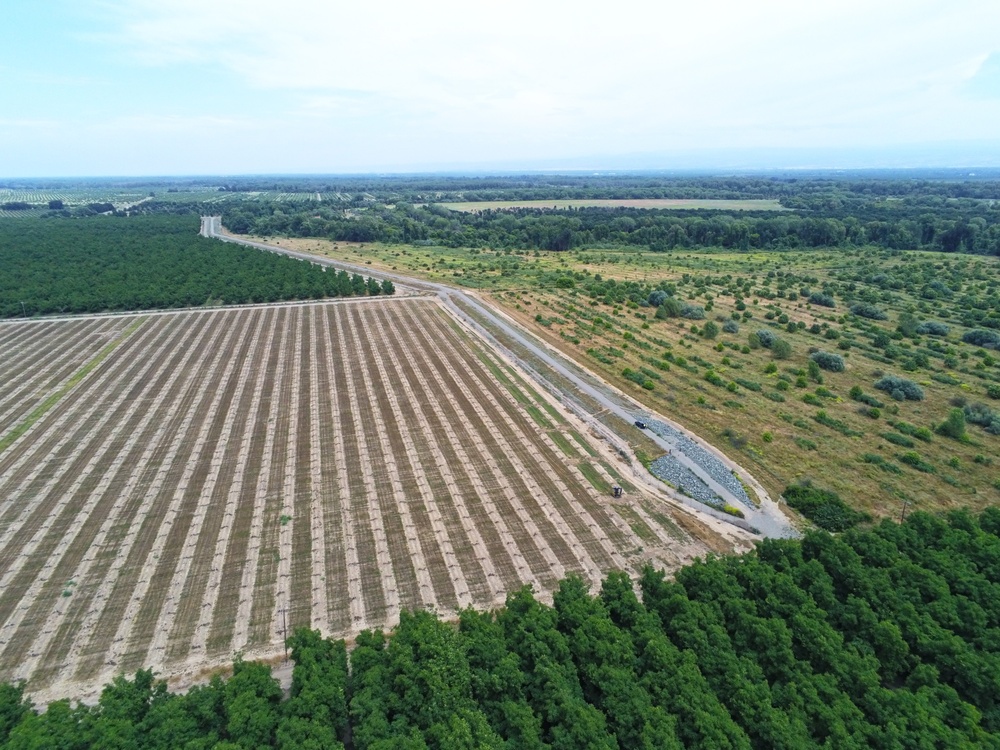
x: 198, y: 482
x: 771, y: 414
x: 665, y: 203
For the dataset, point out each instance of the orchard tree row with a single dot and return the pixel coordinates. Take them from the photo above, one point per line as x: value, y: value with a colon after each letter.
x: 145, y: 262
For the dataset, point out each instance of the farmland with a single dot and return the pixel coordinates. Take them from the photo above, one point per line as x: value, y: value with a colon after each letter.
x: 769, y: 413
x: 182, y: 486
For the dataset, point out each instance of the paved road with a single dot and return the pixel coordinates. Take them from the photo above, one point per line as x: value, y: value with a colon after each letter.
x: 767, y: 519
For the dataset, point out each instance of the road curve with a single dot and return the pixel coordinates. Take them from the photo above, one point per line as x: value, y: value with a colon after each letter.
x: 767, y: 519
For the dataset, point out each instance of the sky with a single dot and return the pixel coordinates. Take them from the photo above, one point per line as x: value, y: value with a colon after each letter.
x: 198, y: 87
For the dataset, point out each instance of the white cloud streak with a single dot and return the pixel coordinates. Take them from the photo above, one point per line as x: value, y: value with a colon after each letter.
x: 398, y: 82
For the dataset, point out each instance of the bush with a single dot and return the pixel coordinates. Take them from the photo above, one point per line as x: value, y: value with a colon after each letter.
x: 876, y: 460
x: 824, y: 300
x: 693, y: 312
x: 713, y: 377
x: 899, y: 388
x: 980, y: 337
x: 920, y: 433
x: 823, y: 507
x: 864, y: 310
x: 731, y: 326
x: 765, y: 338
x: 912, y: 458
x: 656, y: 298
x: 954, y: 425
x: 669, y: 308
x: 897, y: 439
x: 710, y: 330
x: 931, y: 328
x: 828, y: 361
x: 984, y: 416
x: 993, y: 391
x: 781, y: 349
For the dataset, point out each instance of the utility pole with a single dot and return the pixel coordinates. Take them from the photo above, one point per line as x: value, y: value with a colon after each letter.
x: 902, y: 515
x: 24, y: 310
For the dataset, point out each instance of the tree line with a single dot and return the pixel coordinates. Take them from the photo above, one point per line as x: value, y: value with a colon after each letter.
x: 967, y: 225
x: 879, y: 638
x: 147, y: 262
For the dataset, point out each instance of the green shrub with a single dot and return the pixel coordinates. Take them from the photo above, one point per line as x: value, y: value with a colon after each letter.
x: 899, y: 388
x: 897, y: 439
x: 920, y: 433
x: 984, y: 416
x: 981, y: 337
x: 912, y: 458
x: 877, y: 460
x: 765, y: 338
x: 931, y: 328
x: 953, y: 426
x: 781, y: 349
x: 864, y: 310
x: 713, y: 377
x: 823, y: 507
x: 824, y: 300
x: 828, y: 361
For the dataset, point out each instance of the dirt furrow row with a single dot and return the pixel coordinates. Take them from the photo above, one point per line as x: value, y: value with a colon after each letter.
x: 423, y: 516
x: 65, y: 499
x: 243, y: 430
x: 264, y: 607
x: 416, y: 588
x: 343, y: 568
x: 575, y: 502
x: 131, y: 643
x: 496, y: 551
x: 318, y: 487
x: 368, y: 512
x: 174, y: 635
x: 300, y: 581
x: 276, y: 368
x: 129, y: 576
x: 59, y: 444
x: 110, y: 505
x: 281, y: 617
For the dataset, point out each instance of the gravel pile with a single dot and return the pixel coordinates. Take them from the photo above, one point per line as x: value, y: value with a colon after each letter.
x: 671, y: 471
x: 708, y: 462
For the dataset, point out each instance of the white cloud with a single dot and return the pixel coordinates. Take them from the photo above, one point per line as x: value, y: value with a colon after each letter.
x: 404, y: 82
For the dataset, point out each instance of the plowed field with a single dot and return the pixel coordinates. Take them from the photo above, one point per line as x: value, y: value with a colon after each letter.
x: 179, y: 487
